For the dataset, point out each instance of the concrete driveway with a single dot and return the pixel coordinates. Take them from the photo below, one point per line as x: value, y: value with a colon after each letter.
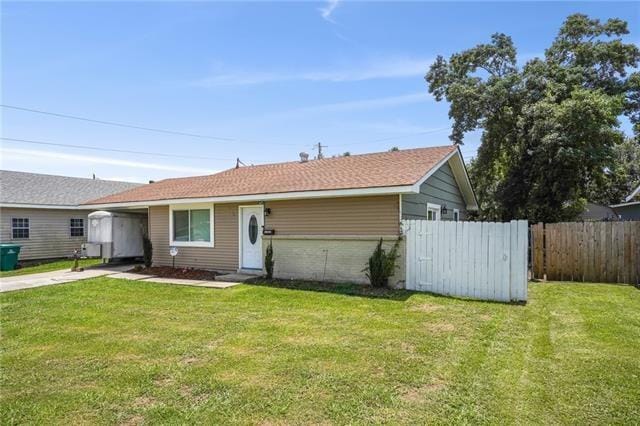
x: 20, y: 282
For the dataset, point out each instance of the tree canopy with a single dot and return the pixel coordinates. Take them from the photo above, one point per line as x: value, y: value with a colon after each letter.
x: 550, y: 129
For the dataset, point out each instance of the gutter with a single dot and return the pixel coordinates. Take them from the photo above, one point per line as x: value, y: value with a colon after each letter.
x: 388, y: 190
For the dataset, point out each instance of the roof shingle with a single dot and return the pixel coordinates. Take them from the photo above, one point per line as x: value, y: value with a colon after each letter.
x: 384, y: 169
x: 50, y: 190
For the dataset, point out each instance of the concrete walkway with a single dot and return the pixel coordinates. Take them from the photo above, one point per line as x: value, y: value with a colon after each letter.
x: 194, y: 283
x: 20, y: 282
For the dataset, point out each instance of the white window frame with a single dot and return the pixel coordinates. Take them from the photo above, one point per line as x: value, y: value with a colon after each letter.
x: 198, y: 206
x: 84, y: 227
x: 456, y: 215
x: 28, y: 228
x: 436, y: 207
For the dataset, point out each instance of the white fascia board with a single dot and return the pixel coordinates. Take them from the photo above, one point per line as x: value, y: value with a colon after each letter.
x: 418, y: 184
x: 633, y: 194
x: 474, y: 205
x: 633, y: 203
x: 471, y: 204
x: 386, y: 190
x: 45, y: 206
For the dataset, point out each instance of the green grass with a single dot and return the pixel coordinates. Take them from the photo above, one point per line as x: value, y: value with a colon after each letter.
x: 114, y: 351
x: 48, y: 267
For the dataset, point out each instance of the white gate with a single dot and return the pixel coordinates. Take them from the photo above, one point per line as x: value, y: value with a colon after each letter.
x: 480, y: 260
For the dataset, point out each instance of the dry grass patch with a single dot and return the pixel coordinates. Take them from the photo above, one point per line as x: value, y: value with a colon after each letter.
x: 425, y: 307
x: 421, y: 393
x: 440, y: 327
x: 145, y: 402
x: 134, y: 420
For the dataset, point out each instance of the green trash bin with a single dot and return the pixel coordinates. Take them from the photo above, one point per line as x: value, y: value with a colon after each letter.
x: 9, y: 256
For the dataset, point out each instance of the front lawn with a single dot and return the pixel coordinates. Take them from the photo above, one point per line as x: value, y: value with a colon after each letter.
x: 115, y: 351
x: 49, y: 266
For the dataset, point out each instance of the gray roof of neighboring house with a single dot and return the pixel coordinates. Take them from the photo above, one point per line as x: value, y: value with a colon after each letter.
x: 595, y: 211
x: 50, y: 190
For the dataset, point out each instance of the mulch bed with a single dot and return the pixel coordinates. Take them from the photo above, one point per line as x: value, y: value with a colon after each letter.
x: 182, y: 273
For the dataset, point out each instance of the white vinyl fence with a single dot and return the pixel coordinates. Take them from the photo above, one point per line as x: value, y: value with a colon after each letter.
x: 480, y: 260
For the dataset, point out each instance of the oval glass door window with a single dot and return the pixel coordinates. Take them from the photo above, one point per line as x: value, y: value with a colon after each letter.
x: 253, y: 229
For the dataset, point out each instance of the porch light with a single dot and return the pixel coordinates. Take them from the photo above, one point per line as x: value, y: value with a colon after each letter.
x: 443, y: 210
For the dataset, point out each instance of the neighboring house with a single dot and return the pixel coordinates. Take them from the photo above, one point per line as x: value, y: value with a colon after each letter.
x: 598, y: 212
x: 42, y: 213
x: 630, y: 209
x: 324, y: 217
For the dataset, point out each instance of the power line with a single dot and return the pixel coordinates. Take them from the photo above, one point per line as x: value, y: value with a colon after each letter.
x: 125, y: 151
x: 194, y: 135
x: 134, y: 126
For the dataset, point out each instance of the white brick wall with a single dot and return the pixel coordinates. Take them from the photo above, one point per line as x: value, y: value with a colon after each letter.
x: 328, y: 258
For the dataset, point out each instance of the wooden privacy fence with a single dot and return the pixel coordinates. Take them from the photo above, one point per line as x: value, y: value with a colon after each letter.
x: 586, y: 251
x: 481, y: 260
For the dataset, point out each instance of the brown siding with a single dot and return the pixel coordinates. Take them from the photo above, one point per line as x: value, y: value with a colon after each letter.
x: 378, y: 215
x: 335, y: 216
x: 49, y: 234
x: 222, y: 257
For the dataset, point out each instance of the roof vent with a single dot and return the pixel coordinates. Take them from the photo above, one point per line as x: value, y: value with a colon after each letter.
x: 304, y: 157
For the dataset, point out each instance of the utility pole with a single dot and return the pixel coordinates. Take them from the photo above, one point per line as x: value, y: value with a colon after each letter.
x: 320, y: 146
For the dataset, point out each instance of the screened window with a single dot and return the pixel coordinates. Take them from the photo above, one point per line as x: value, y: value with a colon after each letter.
x: 76, y: 228
x: 192, y: 225
x: 20, y: 227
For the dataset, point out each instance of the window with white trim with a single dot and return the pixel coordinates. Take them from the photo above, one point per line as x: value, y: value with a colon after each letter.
x: 191, y: 225
x: 76, y: 227
x: 19, y: 228
x: 433, y: 211
x: 456, y: 215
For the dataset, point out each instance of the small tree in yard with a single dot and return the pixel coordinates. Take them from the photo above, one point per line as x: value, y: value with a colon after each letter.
x: 381, y: 264
x: 268, y: 261
x: 148, y: 251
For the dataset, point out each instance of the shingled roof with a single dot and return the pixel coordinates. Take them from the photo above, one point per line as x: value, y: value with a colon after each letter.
x: 377, y: 170
x: 33, y: 189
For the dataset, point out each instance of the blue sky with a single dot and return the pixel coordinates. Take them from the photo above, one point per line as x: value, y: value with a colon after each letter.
x: 272, y: 78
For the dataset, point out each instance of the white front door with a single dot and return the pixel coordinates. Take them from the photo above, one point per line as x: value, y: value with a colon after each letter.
x: 250, y: 237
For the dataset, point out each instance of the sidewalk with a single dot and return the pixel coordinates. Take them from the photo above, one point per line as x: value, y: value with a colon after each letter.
x: 21, y: 282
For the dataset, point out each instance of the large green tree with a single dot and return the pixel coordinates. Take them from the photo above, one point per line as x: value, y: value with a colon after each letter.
x: 550, y: 128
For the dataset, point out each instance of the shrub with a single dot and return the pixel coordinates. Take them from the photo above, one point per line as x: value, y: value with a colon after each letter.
x: 381, y: 264
x: 148, y: 251
x: 269, y: 262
